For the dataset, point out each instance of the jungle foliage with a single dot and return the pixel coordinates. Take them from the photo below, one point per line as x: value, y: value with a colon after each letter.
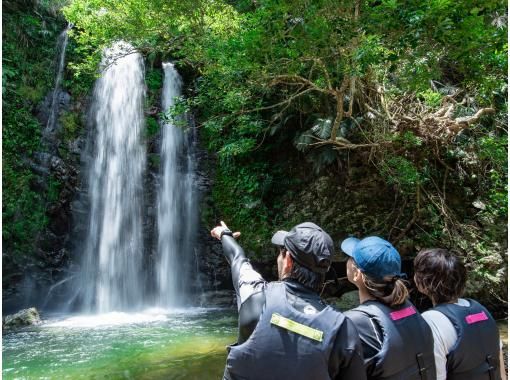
x: 290, y: 91
x: 30, y: 30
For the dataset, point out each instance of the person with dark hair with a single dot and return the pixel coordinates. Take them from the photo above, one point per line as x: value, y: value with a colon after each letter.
x: 466, y: 337
x: 286, y: 331
x: 397, y: 342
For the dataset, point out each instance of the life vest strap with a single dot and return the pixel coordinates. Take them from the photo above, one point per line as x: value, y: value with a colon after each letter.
x: 421, y: 366
x: 493, y: 364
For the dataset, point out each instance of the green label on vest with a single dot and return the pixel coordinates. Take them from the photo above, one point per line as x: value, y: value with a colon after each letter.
x: 295, y: 327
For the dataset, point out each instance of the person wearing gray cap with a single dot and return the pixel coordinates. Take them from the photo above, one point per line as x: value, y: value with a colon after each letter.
x: 286, y: 331
x: 397, y: 342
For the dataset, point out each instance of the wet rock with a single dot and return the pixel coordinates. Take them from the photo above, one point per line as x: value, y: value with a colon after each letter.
x: 60, y: 223
x: 78, y: 206
x: 64, y: 99
x: 37, y: 168
x: 213, y: 264
x: 25, y: 317
x: 218, y: 298
x: 42, y: 158
x: 76, y: 146
x: 44, y: 108
x: 50, y: 241
x: 56, y: 258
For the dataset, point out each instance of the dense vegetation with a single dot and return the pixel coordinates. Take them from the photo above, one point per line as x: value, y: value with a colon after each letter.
x: 307, y: 103
x: 30, y: 30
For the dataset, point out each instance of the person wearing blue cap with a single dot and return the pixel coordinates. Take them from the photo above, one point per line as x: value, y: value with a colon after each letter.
x: 397, y: 342
x: 466, y: 337
x: 286, y: 331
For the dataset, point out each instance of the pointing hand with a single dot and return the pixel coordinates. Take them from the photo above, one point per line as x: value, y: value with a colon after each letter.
x: 216, y: 231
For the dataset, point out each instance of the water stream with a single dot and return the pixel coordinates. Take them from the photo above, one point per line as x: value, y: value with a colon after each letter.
x: 177, y: 213
x: 63, y: 38
x: 112, y: 275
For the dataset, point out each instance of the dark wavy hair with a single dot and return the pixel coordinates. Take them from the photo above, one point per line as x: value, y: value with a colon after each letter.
x: 440, y: 274
x: 307, y: 277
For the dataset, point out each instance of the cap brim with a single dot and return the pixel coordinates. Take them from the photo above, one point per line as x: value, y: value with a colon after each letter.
x: 348, y: 245
x: 279, y: 237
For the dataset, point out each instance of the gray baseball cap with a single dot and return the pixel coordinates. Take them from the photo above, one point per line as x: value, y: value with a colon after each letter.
x: 308, y: 244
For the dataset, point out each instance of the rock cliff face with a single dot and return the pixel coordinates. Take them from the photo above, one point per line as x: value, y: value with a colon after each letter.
x: 56, y: 169
x: 213, y: 270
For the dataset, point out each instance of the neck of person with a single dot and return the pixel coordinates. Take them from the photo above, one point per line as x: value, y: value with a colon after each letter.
x: 364, y: 295
x: 434, y: 303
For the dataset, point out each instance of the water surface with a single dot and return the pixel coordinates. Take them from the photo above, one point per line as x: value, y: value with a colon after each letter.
x: 185, y: 344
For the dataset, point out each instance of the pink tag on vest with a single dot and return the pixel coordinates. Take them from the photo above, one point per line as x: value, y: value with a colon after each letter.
x: 404, y: 313
x: 478, y: 317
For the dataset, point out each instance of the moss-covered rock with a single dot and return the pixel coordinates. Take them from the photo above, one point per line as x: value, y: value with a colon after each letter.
x: 25, y: 317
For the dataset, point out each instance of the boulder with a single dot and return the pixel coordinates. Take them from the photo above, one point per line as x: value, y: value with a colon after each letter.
x: 25, y: 317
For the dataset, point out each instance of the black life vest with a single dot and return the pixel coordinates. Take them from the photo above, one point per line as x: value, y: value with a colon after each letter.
x: 276, y: 352
x: 475, y: 355
x: 407, y: 351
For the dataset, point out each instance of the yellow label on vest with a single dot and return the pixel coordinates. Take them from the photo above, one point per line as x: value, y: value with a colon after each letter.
x: 295, y: 327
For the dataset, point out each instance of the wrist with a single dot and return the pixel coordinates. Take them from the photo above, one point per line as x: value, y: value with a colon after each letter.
x: 227, y: 232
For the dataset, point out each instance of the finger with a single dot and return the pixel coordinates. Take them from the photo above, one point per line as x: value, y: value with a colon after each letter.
x: 236, y: 235
x: 223, y: 224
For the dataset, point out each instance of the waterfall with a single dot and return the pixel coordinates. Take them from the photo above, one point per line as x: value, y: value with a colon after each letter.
x: 177, y: 213
x: 54, y: 106
x: 112, y: 273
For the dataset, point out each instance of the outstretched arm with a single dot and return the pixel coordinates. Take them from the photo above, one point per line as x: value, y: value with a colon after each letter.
x: 246, y: 280
x: 232, y: 251
x: 248, y: 283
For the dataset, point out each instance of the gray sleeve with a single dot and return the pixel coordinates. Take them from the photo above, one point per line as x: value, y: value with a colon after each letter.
x: 250, y: 282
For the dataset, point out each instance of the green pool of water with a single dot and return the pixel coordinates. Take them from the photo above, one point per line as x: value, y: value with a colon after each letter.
x: 183, y: 345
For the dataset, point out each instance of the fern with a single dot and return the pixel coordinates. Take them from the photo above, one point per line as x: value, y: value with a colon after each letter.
x: 321, y: 130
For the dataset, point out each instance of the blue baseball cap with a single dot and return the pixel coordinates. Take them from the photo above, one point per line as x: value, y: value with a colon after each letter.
x: 374, y: 256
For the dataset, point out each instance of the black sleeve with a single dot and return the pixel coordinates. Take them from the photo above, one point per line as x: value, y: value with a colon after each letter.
x: 371, y: 337
x: 346, y: 361
x: 254, y: 298
x: 235, y: 256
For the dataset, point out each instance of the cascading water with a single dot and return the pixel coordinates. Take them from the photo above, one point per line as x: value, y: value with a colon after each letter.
x: 112, y: 275
x: 177, y: 213
x: 61, y: 47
